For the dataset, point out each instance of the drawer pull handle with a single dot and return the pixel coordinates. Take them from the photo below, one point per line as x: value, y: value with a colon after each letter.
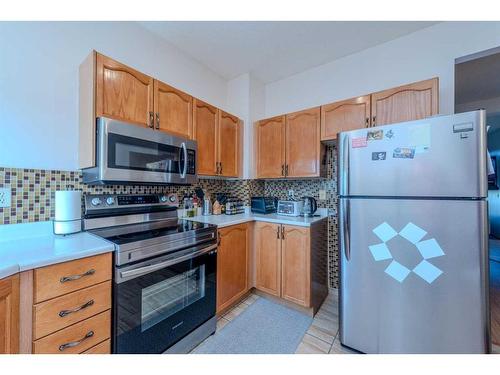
x: 64, y: 313
x: 63, y: 347
x: 76, y: 277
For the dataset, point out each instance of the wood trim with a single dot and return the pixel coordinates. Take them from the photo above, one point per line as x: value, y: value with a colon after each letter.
x: 26, y: 312
x: 86, y: 111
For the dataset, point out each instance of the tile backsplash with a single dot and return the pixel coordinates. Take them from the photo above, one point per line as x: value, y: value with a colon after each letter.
x: 33, y: 195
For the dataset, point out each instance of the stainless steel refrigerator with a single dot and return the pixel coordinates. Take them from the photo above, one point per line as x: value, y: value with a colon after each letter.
x: 413, y: 228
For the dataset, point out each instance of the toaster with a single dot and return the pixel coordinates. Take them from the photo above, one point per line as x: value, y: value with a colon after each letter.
x: 263, y: 205
x: 290, y: 208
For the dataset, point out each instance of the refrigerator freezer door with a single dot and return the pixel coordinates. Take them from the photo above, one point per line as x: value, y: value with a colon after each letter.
x: 414, y: 276
x: 437, y: 157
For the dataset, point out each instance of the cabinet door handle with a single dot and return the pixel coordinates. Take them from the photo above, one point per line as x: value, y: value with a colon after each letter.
x: 216, y: 167
x: 76, y: 343
x: 373, y: 120
x: 64, y: 313
x: 157, y: 120
x: 367, y: 122
x: 151, y: 120
x: 286, y: 170
x: 278, y: 233
x: 220, y: 163
x: 76, y: 277
x: 282, y: 169
x: 282, y: 232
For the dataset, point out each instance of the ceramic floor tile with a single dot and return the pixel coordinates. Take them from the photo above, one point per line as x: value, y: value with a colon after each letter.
x: 327, y: 335
x: 337, y: 348
x: 312, y: 345
x: 250, y: 299
x: 221, y: 323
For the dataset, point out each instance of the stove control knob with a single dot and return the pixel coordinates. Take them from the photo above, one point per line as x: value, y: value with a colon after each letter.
x: 163, y: 198
x: 96, y: 201
x: 172, y: 198
x: 110, y: 201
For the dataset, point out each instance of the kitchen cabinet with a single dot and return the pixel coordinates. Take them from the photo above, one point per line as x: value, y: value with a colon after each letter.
x: 66, y: 307
x: 9, y: 315
x: 205, y: 124
x: 270, y: 150
x: 295, y: 268
x: 173, y: 110
x: 302, y: 143
x: 268, y: 257
x: 290, y: 146
x: 405, y: 103
x: 232, y: 265
x: 345, y: 115
x: 123, y: 93
x: 228, y: 144
x: 291, y: 262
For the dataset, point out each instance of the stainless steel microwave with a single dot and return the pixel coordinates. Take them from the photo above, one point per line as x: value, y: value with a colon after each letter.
x: 129, y: 154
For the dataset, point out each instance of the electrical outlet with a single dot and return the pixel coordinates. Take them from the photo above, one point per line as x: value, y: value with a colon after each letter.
x: 4, y: 197
x: 322, y: 195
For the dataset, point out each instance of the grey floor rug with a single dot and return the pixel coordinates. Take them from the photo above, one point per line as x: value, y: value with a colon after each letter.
x: 265, y: 327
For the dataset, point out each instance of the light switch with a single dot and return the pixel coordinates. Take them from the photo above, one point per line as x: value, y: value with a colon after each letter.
x: 322, y: 195
x: 5, y: 197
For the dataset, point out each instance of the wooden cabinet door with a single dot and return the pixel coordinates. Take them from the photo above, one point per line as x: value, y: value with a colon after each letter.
x: 205, y: 120
x: 173, y: 110
x: 9, y: 315
x: 302, y: 140
x: 405, y: 103
x: 346, y: 115
x: 232, y: 265
x: 268, y: 257
x: 270, y: 147
x: 295, y: 265
x: 228, y: 144
x: 123, y: 93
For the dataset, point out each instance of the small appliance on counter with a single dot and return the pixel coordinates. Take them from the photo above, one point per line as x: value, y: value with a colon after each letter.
x: 309, y: 206
x: 68, y: 215
x: 289, y: 207
x: 263, y: 205
x: 234, y: 206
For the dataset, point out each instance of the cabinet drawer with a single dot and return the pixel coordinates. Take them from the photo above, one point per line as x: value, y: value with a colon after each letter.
x: 60, y: 312
x: 102, y: 348
x: 76, y: 338
x: 63, y: 278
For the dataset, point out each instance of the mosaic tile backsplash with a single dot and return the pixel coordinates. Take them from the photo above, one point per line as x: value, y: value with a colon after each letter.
x: 33, y: 195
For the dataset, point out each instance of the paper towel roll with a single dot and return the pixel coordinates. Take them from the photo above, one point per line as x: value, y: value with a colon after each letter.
x: 68, y: 205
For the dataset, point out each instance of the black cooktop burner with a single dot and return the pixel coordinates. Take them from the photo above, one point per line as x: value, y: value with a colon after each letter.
x: 168, y: 229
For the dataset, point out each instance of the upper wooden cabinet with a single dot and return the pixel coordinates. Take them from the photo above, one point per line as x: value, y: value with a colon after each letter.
x: 405, y: 103
x: 344, y: 116
x: 9, y: 315
x: 122, y: 93
x: 173, y: 110
x: 228, y: 143
x: 232, y: 265
x: 270, y: 141
x: 205, y: 123
x: 302, y: 143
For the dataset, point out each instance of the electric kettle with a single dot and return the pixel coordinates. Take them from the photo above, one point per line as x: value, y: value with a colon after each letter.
x: 309, y: 206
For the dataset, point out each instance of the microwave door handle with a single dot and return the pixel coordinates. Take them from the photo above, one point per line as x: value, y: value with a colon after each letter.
x: 155, y: 267
x: 184, y: 168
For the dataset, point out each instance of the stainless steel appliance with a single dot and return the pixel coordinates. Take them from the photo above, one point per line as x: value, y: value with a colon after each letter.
x: 263, y: 205
x: 234, y: 206
x: 130, y: 154
x: 289, y: 208
x: 164, y: 286
x: 207, y: 206
x: 413, y: 237
x: 309, y: 206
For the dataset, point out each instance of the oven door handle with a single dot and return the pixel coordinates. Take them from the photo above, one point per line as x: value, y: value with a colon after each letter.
x: 154, y: 267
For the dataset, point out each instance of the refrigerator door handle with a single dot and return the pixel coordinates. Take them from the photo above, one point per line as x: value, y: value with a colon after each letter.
x: 344, y: 228
x: 345, y: 166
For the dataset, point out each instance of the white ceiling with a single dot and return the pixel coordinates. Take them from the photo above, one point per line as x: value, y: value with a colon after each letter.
x: 274, y: 50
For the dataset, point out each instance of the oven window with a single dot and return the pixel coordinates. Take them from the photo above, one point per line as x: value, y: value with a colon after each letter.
x: 137, y: 154
x: 162, y: 300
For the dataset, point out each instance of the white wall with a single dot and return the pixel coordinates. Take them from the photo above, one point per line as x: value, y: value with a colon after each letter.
x: 39, y: 83
x: 424, y: 54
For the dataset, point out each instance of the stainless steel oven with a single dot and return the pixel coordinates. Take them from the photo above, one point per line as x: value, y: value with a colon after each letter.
x: 164, y: 284
x: 130, y: 154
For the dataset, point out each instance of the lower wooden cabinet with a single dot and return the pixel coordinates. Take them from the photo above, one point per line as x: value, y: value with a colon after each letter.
x: 232, y: 265
x: 268, y: 257
x: 102, y: 348
x: 9, y: 315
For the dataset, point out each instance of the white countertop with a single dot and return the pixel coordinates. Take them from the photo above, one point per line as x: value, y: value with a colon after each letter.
x: 32, y: 245
x: 227, y: 220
